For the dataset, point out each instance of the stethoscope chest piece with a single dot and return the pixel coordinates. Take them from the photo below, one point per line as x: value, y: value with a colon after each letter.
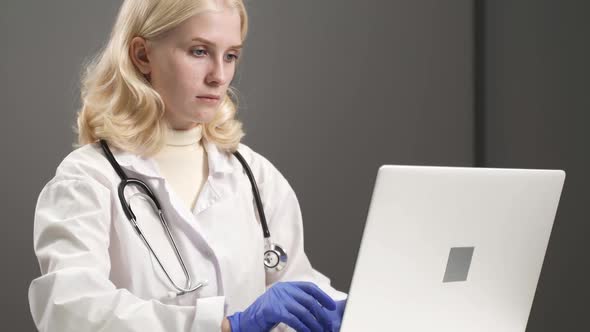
x: 275, y: 258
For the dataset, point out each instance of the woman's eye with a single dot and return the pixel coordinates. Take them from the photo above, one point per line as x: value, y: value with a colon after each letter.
x: 199, y: 52
x: 231, y: 57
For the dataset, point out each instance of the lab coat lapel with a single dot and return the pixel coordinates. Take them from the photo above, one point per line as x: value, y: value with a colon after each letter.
x: 219, y: 183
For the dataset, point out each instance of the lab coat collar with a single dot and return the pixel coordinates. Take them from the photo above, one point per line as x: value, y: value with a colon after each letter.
x: 219, y: 161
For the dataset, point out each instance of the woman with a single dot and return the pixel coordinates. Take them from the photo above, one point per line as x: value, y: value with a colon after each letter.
x: 157, y: 100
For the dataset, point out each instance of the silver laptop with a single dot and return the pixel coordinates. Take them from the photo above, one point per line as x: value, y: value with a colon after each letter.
x: 452, y: 249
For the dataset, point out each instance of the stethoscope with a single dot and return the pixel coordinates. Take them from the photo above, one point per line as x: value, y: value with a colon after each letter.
x: 275, y: 258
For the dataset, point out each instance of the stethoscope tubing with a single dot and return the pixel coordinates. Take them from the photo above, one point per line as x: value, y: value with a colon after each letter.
x: 271, y: 250
x: 256, y: 193
x: 125, y: 181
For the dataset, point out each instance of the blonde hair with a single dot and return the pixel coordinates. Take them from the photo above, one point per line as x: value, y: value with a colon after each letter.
x: 118, y: 103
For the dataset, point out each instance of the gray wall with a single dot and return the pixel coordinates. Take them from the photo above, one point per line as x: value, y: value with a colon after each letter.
x: 43, y: 44
x: 535, y: 78
x: 330, y: 91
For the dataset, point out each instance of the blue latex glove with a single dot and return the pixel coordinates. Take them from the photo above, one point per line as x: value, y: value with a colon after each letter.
x: 301, y: 305
x: 336, y: 315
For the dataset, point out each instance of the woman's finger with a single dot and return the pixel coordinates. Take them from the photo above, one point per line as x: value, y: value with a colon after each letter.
x: 304, y: 315
x: 313, y: 290
x: 313, y: 307
x: 294, y: 323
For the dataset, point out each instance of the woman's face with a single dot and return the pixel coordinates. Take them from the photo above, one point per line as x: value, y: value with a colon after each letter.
x: 192, y: 65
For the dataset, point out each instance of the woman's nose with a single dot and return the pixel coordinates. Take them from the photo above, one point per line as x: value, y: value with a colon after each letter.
x: 217, y: 74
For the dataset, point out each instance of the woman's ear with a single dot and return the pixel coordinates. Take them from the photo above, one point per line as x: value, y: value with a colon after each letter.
x: 138, y: 51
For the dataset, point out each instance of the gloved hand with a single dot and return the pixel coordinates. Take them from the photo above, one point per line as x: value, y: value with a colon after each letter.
x: 336, y: 315
x: 301, y: 305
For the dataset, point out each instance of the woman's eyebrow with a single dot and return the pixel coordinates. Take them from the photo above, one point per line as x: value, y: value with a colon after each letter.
x: 210, y: 43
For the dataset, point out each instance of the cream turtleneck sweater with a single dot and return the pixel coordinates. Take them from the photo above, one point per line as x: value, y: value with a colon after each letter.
x: 183, y: 163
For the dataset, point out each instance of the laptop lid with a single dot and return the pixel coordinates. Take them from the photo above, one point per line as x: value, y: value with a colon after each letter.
x: 452, y: 249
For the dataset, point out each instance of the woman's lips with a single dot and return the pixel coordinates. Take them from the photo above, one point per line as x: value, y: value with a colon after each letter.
x: 211, y: 99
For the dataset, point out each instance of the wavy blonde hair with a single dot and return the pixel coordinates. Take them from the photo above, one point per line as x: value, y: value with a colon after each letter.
x: 118, y: 103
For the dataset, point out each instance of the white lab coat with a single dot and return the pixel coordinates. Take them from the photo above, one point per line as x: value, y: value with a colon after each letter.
x: 97, y: 275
